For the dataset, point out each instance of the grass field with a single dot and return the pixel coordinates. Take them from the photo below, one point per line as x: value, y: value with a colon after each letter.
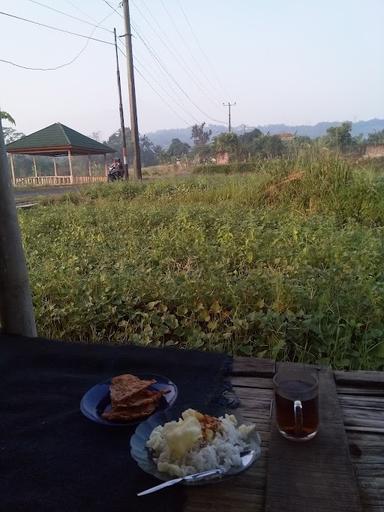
x: 286, y: 262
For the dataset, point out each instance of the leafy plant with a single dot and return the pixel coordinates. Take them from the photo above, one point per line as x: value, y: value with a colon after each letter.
x: 286, y: 262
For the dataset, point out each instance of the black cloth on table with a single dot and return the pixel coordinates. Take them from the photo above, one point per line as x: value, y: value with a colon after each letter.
x: 54, y: 459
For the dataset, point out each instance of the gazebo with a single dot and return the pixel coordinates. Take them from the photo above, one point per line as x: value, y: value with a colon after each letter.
x: 56, y: 140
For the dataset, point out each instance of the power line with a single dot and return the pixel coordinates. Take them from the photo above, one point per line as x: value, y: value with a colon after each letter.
x: 153, y: 78
x: 69, y: 2
x: 70, y: 15
x: 174, y: 53
x: 183, y: 39
x: 160, y: 96
x: 113, y: 9
x: 55, y: 28
x: 163, y: 89
x: 61, y: 65
x: 208, y: 60
x: 156, y: 57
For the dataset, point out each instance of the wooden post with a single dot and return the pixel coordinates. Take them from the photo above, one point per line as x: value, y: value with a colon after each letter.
x: 70, y: 166
x: 12, y: 169
x: 55, y: 166
x: 16, y: 309
x: 89, y: 166
x: 105, y: 166
x: 132, y: 93
x: 34, y: 167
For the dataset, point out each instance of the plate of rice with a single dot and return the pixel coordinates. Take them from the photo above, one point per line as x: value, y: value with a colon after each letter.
x: 166, y: 447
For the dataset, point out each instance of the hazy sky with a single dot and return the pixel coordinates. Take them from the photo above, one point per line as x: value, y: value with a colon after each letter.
x: 288, y: 61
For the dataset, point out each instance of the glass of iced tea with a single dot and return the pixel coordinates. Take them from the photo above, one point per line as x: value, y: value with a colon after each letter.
x: 297, y: 403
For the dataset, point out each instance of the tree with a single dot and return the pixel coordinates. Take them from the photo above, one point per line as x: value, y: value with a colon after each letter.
x: 249, y: 137
x: 149, y: 152
x: 376, y: 138
x: 7, y: 117
x: 227, y: 143
x: 339, y: 138
x: 271, y: 146
x: 177, y: 149
x: 199, y: 135
x: 251, y: 143
x: 10, y: 134
x: 115, y: 141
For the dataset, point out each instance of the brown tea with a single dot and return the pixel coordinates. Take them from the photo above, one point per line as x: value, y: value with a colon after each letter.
x: 297, y: 408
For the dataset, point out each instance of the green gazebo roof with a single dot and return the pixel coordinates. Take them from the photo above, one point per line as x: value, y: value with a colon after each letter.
x: 57, y: 139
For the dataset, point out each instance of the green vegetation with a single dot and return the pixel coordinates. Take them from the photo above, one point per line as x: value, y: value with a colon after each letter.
x: 285, y: 263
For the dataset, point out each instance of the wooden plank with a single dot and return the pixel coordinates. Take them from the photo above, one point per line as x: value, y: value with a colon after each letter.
x: 254, y: 367
x: 317, y: 475
x: 365, y: 413
x: 246, y: 492
x: 360, y: 378
x: 370, y: 429
x: 251, y: 382
x: 366, y: 448
x: 364, y: 391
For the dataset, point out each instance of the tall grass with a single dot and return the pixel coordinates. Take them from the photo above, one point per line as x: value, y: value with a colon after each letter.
x: 286, y: 262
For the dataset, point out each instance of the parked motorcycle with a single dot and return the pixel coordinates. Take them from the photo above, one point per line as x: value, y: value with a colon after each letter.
x: 116, y: 171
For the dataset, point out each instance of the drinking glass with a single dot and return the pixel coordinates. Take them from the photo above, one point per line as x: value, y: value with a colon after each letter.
x: 297, y: 403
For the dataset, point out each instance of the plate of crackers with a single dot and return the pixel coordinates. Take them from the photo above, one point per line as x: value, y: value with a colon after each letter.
x: 126, y: 400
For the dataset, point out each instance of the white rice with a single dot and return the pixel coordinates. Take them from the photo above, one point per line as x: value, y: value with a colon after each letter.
x: 223, y: 451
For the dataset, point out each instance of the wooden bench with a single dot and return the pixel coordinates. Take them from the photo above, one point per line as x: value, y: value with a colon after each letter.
x: 361, y: 396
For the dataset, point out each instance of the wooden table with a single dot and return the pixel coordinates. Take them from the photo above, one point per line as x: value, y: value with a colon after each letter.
x: 361, y: 396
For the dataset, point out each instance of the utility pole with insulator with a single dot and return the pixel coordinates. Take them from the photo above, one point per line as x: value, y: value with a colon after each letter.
x: 132, y: 93
x: 16, y: 309
x: 229, y: 105
x: 122, y: 127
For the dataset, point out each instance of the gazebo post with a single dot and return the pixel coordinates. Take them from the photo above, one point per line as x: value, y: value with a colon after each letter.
x: 105, y: 166
x: 12, y: 169
x: 55, y: 166
x: 16, y: 309
x: 89, y: 166
x: 70, y: 166
x: 34, y: 167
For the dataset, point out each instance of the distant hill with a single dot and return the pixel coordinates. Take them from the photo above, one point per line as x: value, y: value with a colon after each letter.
x: 164, y: 137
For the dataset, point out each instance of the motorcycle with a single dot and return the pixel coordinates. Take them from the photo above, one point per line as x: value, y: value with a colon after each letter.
x: 115, y: 173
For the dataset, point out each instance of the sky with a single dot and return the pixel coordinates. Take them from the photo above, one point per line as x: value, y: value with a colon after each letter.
x: 281, y: 61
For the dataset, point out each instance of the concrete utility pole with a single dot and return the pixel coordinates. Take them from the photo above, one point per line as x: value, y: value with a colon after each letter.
x: 132, y: 93
x: 16, y: 309
x: 229, y: 105
x: 122, y: 127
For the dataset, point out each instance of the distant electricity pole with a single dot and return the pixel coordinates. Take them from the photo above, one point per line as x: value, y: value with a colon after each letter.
x: 125, y: 152
x: 132, y: 93
x: 229, y: 105
x: 16, y: 309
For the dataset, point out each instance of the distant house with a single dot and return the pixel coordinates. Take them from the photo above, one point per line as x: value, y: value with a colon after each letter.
x: 374, y: 151
x: 222, y: 158
x: 286, y: 136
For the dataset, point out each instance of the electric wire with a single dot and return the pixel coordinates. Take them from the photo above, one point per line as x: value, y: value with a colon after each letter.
x: 176, y: 55
x: 183, y: 39
x: 55, y: 28
x: 61, y: 65
x: 153, y: 78
x: 156, y: 57
x: 70, y: 16
x: 69, y: 2
x: 160, y: 96
x: 158, y: 60
x: 172, y: 98
x: 113, y: 9
x: 203, y: 52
